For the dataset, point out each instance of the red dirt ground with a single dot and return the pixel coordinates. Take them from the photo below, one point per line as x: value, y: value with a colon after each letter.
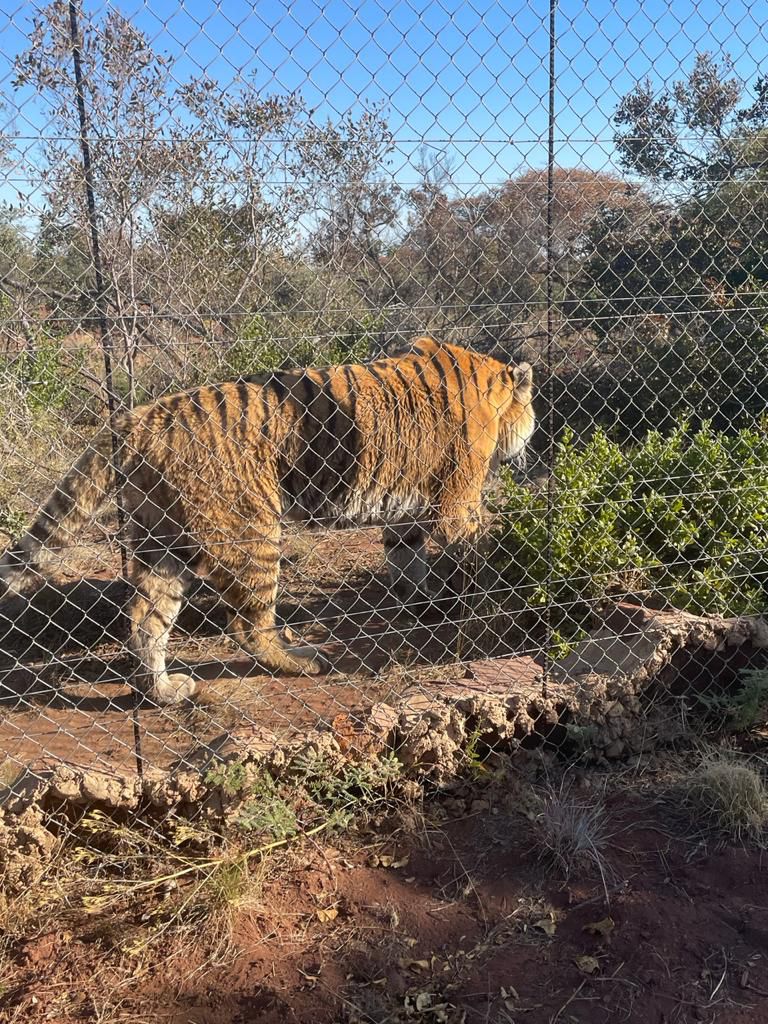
x: 471, y: 927
x: 63, y: 672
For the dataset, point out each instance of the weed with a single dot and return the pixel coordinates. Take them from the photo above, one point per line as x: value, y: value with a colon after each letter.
x: 232, y: 777
x: 475, y: 760
x: 348, y: 788
x: 12, y: 521
x: 266, y: 811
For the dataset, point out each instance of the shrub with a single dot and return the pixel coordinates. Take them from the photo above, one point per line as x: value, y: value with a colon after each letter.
x: 743, y: 708
x: 685, y: 514
x: 46, y: 376
x: 254, y: 350
x: 261, y: 347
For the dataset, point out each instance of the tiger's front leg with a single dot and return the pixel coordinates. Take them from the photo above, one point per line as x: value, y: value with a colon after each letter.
x: 416, y: 580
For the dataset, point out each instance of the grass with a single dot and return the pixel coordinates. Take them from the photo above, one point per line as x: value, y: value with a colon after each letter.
x: 30, y: 439
x: 727, y: 795
x: 571, y: 832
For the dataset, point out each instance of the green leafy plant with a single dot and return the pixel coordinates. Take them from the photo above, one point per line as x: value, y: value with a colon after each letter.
x: 475, y: 756
x: 744, y: 707
x: 12, y: 521
x: 266, y: 810
x: 355, y: 339
x: 342, y: 790
x: 46, y: 376
x: 254, y: 350
x: 232, y: 777
x: 313, y: 788
x: 685, y: 514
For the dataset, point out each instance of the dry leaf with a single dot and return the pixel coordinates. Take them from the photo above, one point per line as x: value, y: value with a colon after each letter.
x: 587, y: 964
x: 602, y: 928
x: 418, y: 965
x: 327, y: 915
x: 423, y: 1000
x: 546, y: 925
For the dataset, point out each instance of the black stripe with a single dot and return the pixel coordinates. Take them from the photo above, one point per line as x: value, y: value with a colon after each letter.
x: 244, y: 393
x: 382, y: 381
x: 279, y: 387
x: 174, y: 403
x: 351, y: 381
x: 42, y: 528
x: 461, y: 390
x: 221, y: 405
x: 310, y: 388
x: 474, y: 362
x: 408, y: 389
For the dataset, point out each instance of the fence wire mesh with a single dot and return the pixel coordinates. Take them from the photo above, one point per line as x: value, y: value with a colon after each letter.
x: 229, y: 233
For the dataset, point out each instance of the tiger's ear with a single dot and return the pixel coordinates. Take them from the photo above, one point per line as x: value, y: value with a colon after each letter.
x: 523, y: 378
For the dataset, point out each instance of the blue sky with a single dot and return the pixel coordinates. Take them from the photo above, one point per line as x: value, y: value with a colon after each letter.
x: 469, y: 76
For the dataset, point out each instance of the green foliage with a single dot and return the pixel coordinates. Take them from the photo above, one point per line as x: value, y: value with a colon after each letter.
x: 266, y: 810
x: 475, y: 757
x: 313, y: 788
x: 696, y: 264
x: 46, y: 376
x: 745, y: 707
x: 12, y: 521
x: 254, y: 351
x: 355, y: 339
x: 348, y: 788
x: 259, y: 349
x: 686, y: 514
x: 232, y: 778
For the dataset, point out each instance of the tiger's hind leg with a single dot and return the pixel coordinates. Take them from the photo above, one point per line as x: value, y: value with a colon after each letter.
x: 154, y: 605
x: 246, y: 575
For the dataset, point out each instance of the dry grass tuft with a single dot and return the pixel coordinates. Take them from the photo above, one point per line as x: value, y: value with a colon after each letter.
x: 729, y: 796
x: 572, y: 832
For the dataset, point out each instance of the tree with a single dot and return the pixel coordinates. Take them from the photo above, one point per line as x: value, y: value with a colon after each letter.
x: 141, y: 159
x: 356, y: 204
x: 477, y: 261
x: 696, y: 258
x: 693, y: 132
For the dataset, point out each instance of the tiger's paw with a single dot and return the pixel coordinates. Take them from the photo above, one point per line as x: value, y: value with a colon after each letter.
x: 170, y: 689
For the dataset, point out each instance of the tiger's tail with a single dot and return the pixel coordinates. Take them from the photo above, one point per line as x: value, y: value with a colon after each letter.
x: 74, y: 500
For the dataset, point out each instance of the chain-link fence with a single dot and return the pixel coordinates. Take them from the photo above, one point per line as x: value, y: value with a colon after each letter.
x: 229, y: 233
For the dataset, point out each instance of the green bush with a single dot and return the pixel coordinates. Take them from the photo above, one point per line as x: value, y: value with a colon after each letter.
x: 261, y: 348
x: 685, y: 514
x: 254, y: 350
x: 46, y: 376
x: 355, y: 339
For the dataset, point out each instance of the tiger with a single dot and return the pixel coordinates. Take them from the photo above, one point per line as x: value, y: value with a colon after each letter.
x: 209, y: 476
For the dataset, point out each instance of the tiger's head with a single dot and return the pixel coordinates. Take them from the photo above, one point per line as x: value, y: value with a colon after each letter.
x: 513, y: 399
